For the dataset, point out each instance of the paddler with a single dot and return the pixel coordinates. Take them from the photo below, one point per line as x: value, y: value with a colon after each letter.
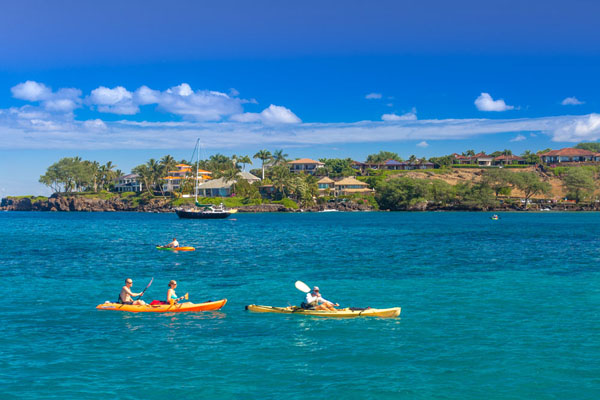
x: 173, y: 244
x: 314, y: 301
x: 171, y: 295
x: 126, y: 296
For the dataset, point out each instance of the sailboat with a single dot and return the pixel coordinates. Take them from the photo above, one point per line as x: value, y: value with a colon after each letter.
x: 202, y: 211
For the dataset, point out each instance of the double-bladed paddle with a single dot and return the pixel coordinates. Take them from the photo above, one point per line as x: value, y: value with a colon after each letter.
x: 301, y: 286
x: 147, y: 286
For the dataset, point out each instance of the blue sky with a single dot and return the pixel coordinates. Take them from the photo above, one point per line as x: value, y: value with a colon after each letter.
x: 126, y: 82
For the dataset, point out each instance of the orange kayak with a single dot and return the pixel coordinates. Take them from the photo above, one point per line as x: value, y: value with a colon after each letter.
x: 161, y: 308
x: 185, y: 248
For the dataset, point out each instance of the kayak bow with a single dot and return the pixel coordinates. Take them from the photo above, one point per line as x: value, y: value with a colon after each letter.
x: 188, y: 248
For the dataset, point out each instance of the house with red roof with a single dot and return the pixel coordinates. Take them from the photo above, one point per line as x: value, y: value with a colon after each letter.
x: 569, y: 154
x: 481, y: 159
x: 509, y: 159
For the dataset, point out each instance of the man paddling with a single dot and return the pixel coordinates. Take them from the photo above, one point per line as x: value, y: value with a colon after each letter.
x: 126, y: 296
x: 314, y: 301
x: 174, y: 244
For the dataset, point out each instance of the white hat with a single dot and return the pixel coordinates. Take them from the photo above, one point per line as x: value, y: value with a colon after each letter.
x: 316, y: 289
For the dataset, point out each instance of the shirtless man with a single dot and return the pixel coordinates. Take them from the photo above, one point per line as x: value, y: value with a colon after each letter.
x: 314, y: 301
x: 126, y: 296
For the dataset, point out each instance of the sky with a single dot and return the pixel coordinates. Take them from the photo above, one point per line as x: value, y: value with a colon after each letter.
x: 127, y: 81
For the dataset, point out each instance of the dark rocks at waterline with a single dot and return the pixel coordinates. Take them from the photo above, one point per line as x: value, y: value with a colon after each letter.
x: 80, y: 203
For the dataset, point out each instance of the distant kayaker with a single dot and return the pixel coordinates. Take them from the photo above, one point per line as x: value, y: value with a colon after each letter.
x: 173, y: 244
x: 171, y: 295
x: 126, y: 296
x: 314, y: 301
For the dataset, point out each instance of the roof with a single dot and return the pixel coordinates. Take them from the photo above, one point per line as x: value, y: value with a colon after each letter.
x: 248, y: 176
x: 509, y: 158
x: 325, y: 180
x: 183, y: 165
x: 305, y: 161
x: 358, y: 190
x: 569, y: 152
x: 129, y: 176
x: 215, y: 184
x: 350, y: 181
x: 393, y: 162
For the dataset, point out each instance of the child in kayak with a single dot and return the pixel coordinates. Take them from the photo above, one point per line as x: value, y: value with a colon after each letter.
x: 314, y: 301
x: 126, y: 296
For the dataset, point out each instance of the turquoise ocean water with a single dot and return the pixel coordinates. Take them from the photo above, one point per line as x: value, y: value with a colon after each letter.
x: 504, y: 309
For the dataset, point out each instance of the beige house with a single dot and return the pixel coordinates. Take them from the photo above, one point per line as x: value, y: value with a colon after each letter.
x: 351, y: 185
x: 326, y: 186
x: 305, y: 165
x: 175, y: 179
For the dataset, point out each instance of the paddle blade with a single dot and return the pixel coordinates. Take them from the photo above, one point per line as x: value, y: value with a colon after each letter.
x: 186, y: 296
x: 148, y: 285
x: 301, y: 286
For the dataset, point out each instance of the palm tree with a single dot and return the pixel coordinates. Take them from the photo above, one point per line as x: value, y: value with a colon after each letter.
x: 231, y: 175
x: 263, y: 155
x: 144, y: 172
x: 281, y: 177
x: 279, y: 157
x: 168, y: 162
x: 245, y: 160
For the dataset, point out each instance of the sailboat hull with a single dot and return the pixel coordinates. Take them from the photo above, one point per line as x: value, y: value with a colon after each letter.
x: 202, y: 214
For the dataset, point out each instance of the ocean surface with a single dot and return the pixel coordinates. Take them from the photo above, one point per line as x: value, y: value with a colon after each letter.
x: 506, y: 309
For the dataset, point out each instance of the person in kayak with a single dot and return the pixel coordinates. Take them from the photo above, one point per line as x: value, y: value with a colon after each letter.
x: 171, y: 295
x: 173, y: 244
x: 126, y: 296
x: 314, y: 301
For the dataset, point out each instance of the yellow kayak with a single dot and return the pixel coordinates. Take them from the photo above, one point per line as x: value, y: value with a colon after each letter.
x: 160, y: 308
x: 340, y: 313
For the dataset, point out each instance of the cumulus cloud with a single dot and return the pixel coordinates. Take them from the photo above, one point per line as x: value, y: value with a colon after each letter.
x: 586, y: 128
x: 270, y: 115
x: 64, y: 100
x: 373, y: 96
x: 95, y: 124
x: 485, y: 102
x: 31, y: 91
x: 518, y: 138
x: 409, y: 116
x: 423, y: 144
x: 117, y: 100
x: 571, y: 101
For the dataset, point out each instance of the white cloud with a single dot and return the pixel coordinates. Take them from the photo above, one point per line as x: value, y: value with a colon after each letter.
x: 518, y: 138
x: 64, y: 100
x: 409, y: 116
x: 95, y: 124
x: 117, y: 100
x: 485, y: 102
x: 373, y: 96
x: 270, y: 115
x: 571, y: 101
x: 585, y: 128
x: 423, y: 144
x: 31, y: 91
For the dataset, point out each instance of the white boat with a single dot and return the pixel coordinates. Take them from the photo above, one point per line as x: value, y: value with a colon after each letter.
x: 329, y: 210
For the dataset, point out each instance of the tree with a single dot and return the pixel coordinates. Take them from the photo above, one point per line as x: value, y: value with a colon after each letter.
x: 382, y: 157
x: 469, y: 153
x: 400, y: 193
x: 530, y: 184
x: 263, y: 155
x: 279, y: 158
x: 168, y: 163
x: 231, y: 175
x: 444, y: 161
x: 336, y: 167
x: 146, y: 175
x: 499, y: 180
x: 530, y: 157
x: 579, y: 183
x: 507, y: 152
x: 245, y: 160
x: 281, y: 177
x: 412, y: 158
x: 591, y: 146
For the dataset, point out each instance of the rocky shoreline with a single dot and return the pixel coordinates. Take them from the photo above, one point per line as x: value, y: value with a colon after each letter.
x: 156, y: 205
x: 61, y: 203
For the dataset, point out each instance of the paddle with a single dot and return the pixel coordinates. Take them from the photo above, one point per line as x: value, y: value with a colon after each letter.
x: 172, y: 301
x: 301, y: 286
x: 147, y: 286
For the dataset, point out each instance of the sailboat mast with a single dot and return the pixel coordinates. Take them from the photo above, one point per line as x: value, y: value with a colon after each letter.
x: 197, y: 162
